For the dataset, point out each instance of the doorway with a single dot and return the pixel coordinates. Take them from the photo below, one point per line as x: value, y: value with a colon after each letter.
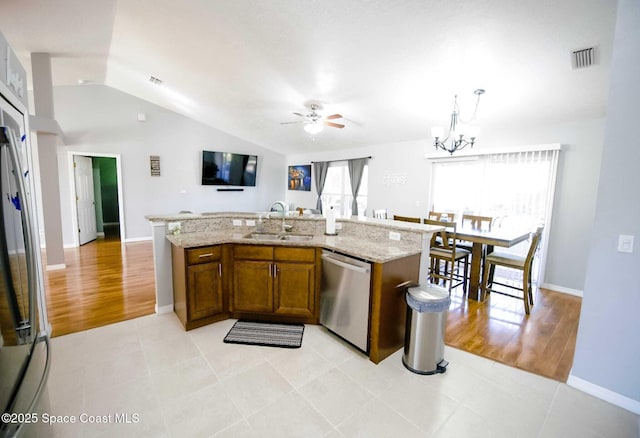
x: 100, y: 181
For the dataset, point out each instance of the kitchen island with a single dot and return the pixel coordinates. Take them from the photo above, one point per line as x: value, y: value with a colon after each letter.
x: 398, y: 253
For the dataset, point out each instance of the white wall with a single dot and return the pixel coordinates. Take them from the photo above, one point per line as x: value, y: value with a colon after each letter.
x: 575, y: 188
x: 100, y: 119
x: 607, y: 357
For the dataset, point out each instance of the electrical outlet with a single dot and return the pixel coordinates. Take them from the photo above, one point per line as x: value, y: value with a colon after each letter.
x: 237, y: 222
x: 250, y: 223
x: 393, y: 235
x: 625, y: 243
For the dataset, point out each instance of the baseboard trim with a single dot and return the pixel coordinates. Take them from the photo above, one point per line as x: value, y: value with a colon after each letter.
x: 56, y: 267
x: 164, y: 309
x: 137, y: 239
x: 562, y: 289
x: 605, y: 394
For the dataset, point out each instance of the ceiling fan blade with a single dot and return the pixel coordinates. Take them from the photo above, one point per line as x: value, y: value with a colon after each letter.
x: 298, y: 114
x: 334, y: 125
x: 290, y: 123
x: 333, y: 116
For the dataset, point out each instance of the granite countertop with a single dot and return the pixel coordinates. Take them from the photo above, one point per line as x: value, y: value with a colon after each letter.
x: 381, y: 223
x: 372, y: 250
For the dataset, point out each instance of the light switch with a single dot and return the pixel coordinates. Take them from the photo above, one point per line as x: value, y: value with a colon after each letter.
x: 625, y: 243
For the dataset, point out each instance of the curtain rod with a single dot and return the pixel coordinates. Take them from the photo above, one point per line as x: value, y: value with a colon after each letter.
x: 345, y: 159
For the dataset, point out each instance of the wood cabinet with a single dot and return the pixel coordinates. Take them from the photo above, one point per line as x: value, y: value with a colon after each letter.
x: 388, y: 305
x: 253, y: 286
x: 277, y: 283
x: 281, y: 284
x: 198, y: 285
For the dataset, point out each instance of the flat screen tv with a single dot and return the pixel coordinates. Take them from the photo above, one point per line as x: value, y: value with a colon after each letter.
x: 228, y: 169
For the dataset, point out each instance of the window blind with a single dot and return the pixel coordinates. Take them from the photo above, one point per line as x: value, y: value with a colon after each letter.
x: 515, y: 188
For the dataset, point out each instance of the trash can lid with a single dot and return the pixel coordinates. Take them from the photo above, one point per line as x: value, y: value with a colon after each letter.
x: 428, y: 293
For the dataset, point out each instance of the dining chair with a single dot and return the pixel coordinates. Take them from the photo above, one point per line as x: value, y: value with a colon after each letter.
x: 442, y: 215
x: 513, y: 261
x: 415, y: 220
x: 443, y: 249
x: 477, y: 222
x: 380, y: 213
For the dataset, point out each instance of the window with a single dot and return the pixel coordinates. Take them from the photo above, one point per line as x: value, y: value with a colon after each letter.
x: 337, y: 190
x: 515, y: 188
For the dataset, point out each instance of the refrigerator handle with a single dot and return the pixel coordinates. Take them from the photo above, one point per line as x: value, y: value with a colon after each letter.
x: 24, y: 207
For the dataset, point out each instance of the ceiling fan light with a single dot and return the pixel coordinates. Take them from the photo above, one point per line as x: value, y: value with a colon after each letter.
x: 313, y: 128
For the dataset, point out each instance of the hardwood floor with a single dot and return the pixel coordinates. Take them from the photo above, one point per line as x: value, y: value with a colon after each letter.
x: 106, y: 282
x: 498, y: 329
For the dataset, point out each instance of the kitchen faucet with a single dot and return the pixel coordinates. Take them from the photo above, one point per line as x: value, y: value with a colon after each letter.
x: 285, y: 227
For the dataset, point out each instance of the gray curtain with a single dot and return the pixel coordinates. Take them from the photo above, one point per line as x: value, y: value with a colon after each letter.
x: 320, y: 169
x: 356, y: 168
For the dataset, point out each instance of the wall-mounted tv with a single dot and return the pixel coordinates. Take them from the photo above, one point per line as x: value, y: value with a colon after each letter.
x: 228, y: 169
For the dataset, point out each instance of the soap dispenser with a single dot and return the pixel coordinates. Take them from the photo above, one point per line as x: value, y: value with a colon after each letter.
x: 260, y: 226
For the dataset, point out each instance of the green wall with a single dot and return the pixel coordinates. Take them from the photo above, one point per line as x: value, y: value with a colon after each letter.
x: 108, y: 188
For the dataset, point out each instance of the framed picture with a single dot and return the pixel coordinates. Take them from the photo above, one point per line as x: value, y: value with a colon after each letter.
x: 299, y: 178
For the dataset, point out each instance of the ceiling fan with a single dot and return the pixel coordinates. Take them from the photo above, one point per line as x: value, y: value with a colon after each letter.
x: 314, y: 122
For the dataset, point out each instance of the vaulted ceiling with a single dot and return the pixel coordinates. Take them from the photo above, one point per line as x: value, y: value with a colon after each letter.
x: 390, y: 67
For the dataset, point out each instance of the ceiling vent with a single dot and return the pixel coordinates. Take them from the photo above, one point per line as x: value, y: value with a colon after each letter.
x: 155, y: 80
x: 583, y: 58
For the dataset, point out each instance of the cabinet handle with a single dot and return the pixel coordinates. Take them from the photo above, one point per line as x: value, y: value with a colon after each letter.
x: 275, y: 270
x: 209, y: 254
x: 220, y: 269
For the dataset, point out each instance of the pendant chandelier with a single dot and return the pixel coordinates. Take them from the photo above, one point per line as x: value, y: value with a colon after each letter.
x: 460, y: 134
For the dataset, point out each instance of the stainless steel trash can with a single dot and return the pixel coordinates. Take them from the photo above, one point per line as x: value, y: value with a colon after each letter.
x: 427, y: 308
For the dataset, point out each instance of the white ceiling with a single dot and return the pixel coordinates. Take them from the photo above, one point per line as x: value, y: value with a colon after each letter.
x: 390, y: 67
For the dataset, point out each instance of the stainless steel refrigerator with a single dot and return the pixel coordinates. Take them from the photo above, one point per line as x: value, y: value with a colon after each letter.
x: 24, y: 341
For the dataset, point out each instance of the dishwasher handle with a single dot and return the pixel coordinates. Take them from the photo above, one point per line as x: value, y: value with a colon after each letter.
x: 361, y: 269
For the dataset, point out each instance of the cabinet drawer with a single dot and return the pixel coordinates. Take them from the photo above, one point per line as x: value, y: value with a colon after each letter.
x: 203, y: 255
x: 253, y: 252
x: 291, y: 254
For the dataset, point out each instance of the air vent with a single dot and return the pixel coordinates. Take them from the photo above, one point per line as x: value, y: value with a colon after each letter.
x: 584, y: 58
x: 155, y: 80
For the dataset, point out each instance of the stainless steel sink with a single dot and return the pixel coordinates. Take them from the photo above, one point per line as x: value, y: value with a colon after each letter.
x: 262, y: 236
x: 296, y: 237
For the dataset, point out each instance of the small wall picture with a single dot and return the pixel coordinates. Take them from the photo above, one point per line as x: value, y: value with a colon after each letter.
x: 299, y: 178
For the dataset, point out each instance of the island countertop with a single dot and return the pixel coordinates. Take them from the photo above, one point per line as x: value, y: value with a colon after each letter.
x: 376, y: 240
x: 368, y: 249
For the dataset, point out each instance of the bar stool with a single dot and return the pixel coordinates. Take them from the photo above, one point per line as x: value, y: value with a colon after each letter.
x: 512, y: 261
x: 443, y: 249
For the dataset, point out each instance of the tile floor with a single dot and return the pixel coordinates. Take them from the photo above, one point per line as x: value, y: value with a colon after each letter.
x: 191, y: 384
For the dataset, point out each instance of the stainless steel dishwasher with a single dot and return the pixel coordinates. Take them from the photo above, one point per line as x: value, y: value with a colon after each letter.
x: 344, y: 297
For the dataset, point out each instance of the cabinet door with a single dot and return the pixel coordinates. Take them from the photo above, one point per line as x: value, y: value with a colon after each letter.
x: 294, y: 291
x: 204, y: 290
x: 252, y: 286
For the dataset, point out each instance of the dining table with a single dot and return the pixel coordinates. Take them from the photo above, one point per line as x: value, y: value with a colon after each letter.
x: 505, y: 237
